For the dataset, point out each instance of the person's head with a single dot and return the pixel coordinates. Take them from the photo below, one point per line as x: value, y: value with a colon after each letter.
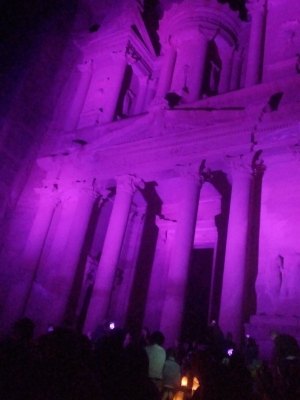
x: 145, y: 333
x: 274, y: 335
x: 23, y: 329
x: 170, y: 352
x: 157, y: 338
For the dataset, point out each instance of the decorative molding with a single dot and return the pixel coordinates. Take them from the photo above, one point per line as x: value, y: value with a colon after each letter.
x: 134, y: 58
x: 258, y: 164
x: 199, y: 173
x: 240, y: 163
x: 129, y: 183
x: 251, y: 163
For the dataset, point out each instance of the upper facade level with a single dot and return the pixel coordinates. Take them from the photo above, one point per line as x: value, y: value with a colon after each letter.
x: 206, y: 49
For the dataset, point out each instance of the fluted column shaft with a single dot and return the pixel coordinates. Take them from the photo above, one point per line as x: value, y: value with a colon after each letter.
x: 235, y: 78
x: 159, y: 273
x: 167, y: 69
x: 256, y: 42
x: 172, y: 312
x: 233, y: 289
x: 140, y: 101
x: 73, y: 248
x: 227, y: 63
x: 49, y: 283
x: 30, y: 258
x: 126, y: 186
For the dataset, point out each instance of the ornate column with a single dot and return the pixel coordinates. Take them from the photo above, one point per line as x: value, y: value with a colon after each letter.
x: 126, y: 187
x: 167, y: 68
x: 258, y: 11
x: 227, y: 62
x: 78, y: 229
x: 124, y: 279
x: 30, y: 259
x: 172, y: 310
x: 47, y: 285
x: 150, y: 93
x: 190, y: 64
x: 235, y: 78
x: 233, y: 288
x: 159, y: 273
x: 140, y: 100
x: 85, y: 70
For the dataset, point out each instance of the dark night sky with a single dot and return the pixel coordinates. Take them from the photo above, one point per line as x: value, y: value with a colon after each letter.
x: 22, y: 24
x: 21, y: 21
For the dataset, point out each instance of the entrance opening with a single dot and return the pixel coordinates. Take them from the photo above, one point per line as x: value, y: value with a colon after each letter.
x: 197, y: 296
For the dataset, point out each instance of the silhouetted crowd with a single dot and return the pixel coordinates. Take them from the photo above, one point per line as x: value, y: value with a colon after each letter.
x: 64, y: 364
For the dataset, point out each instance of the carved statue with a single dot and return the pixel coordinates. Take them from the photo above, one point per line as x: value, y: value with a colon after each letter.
x: 128, y: 102
x: 278, y: 290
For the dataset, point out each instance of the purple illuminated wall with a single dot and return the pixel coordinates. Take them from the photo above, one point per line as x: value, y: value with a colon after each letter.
x: 128, y: 141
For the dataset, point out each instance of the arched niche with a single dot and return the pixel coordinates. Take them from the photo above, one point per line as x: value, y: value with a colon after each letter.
x: 128, y: 94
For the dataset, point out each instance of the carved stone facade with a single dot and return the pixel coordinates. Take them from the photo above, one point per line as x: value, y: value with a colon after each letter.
x: 152, y: 157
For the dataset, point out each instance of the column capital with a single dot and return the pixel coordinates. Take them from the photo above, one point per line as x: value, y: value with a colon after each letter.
x: 70, y: 191
x: 199, y: 173
x: 258, y: 164
x: 88, y: 189
x: 159, y: 103
x: 129, y: 183
x: 168, y: 43
x: 256, y: 7
x: 188, y: 171
x: 49, y: 191
x: 205, y: 173
x: 247, y: 164
x: 239, y: 164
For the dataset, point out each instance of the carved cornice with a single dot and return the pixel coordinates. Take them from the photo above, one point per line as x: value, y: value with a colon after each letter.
x: 68, y: 191
x: 138, y: 63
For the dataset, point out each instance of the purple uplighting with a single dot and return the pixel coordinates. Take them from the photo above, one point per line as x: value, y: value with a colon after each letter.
x: 149, y: 163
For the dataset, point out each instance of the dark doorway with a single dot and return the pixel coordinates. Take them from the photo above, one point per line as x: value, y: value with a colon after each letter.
x: 197, y: 294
